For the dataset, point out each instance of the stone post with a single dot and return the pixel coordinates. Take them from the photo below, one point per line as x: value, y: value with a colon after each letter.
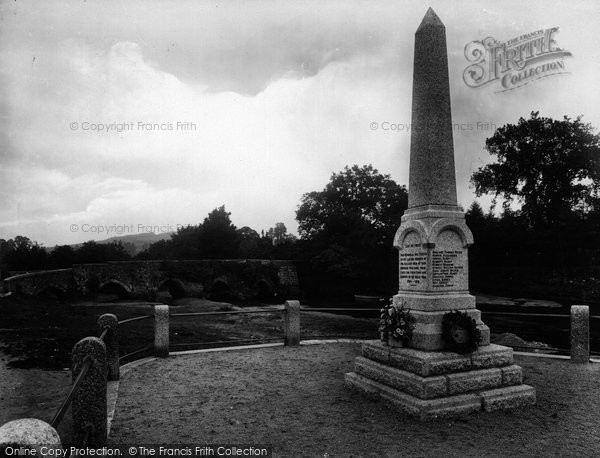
x: 89, y: 403
x: 161, y: 330
x: 110, y: 322
x: 292, y: 323
x: 30, y: 434
x: 580, y: 333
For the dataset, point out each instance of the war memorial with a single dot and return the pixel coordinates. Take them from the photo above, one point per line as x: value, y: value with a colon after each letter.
x: 433, y: 241
x: 218, y: 357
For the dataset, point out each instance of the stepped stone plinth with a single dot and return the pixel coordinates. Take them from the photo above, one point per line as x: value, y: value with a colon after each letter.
x: 435, y: 384
x: 433, y: 241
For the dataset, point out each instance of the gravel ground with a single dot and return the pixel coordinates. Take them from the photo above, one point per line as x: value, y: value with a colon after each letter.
x: 295, y: 400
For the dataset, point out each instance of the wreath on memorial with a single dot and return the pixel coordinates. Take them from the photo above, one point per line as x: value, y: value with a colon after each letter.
x: 460, y: 332
x: 396, y: 322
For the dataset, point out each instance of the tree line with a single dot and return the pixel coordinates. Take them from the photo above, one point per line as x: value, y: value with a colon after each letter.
x: 216, y: 238
x: 540, y: 237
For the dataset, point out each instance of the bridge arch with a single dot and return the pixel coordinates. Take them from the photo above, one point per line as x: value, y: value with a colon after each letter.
x: 220, y: 290
x: 114, y: 289
x: 174, y: 287
x: 52, y: 292
x: 264, y: 291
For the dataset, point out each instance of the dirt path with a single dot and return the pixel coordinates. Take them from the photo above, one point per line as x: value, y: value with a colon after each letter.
x: 294, y: 399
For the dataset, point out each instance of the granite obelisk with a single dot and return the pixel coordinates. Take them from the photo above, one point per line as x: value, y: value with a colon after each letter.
x: 432, y: 179
x: 432, y: 240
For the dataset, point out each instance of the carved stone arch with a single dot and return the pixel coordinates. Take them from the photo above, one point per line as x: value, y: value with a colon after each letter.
x: 406, y: 228
x: 460, y: 227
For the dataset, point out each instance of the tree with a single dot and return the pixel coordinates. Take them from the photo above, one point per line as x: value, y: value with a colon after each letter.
x: 161, y: 249
x: 215, y: 238
x: 91, y: 252
x: 551, y: 168
x: 62, y: 256
x: 359, y: 193
x: 249, y: 243
x: 347, y: 230
x: 183, y: 244
x: 5, y: 248
x: 21, y: 253
x: 218, y: 237
x: 279, y: 235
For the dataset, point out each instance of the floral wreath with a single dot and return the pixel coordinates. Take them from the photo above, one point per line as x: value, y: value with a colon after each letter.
x: 396, y: 322
x: 460, y: 332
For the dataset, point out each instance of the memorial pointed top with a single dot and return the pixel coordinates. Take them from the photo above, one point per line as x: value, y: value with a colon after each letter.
x: 432, y: 176
x: 430, y: 19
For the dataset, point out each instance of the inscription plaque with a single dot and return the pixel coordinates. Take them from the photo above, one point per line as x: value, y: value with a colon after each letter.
x: 449, y: 263
x: 445, y: 267
x: 439, y: 267
x: 413, y: 267
x: 413, y: 262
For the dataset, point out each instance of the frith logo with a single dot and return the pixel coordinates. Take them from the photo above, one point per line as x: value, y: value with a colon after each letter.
x: 516, y: 62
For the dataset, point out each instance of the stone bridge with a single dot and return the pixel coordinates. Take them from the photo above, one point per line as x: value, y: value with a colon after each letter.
x: 217, y: 279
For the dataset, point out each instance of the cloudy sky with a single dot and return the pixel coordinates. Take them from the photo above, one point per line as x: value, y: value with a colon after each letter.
x: 278, y: 95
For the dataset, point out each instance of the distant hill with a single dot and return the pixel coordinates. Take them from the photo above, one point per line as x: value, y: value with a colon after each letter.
x: 134, y: 243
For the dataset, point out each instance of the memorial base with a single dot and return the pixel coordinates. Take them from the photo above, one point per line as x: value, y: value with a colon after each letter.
x: 439, y: 384
x: 427, y: 334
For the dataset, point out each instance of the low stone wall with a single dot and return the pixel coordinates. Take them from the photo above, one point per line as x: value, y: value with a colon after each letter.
x: 60, y: 280
x: 241, y: 279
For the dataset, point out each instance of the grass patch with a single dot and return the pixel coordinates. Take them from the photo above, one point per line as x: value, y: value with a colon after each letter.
x: 41, y: 332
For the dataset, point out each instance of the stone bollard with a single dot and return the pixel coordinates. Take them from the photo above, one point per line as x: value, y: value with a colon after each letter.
x: 292, y: 323
x: 89, y: 403
x: 580, y: 333
x: 26, y: 436
x: 161, y: 330
x: 110, y: 322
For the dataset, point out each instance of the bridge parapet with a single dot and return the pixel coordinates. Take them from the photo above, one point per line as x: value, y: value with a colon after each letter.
x: 32, y: 283
x: 239, y: 278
